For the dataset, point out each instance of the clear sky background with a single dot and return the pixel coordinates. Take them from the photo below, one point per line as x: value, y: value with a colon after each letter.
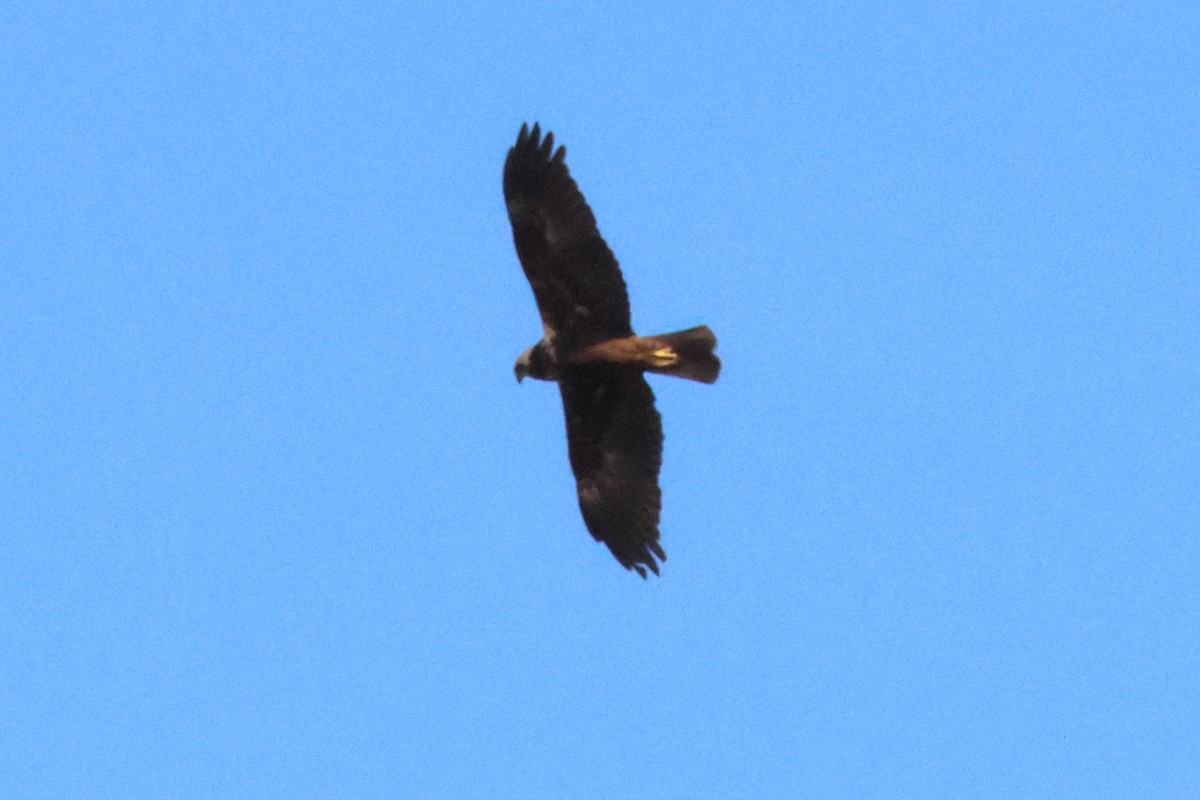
x: 278, y: 522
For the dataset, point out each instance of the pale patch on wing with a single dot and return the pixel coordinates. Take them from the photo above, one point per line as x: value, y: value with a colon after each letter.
x: 589, y: 492
x: 549, y: 229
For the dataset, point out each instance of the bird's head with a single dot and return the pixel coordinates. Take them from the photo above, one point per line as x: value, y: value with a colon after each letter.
x: 521, y: 368
x: 536, y: 362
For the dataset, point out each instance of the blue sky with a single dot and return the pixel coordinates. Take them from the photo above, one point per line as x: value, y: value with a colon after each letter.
x: 280, y: 523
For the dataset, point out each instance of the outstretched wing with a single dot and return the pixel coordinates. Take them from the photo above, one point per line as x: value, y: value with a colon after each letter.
x: 577, y: 283
x: 614, y: 440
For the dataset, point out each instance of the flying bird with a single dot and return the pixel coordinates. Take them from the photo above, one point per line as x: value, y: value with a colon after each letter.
x: 614, y: 433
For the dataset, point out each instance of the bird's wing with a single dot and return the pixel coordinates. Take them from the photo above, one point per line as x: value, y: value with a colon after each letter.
x: 577, y: 283
x: 614, y: 440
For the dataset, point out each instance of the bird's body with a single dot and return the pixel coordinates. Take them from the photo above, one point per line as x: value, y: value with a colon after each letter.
x: 614, y: 433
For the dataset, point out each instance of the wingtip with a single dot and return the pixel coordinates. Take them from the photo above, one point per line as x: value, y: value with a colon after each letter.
x: 532, y: 139
x: 646, y: 560
x: 528, y: 135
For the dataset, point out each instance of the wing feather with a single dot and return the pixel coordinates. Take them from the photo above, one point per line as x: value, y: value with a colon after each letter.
x: 575, y: 278
x: 614, y: 440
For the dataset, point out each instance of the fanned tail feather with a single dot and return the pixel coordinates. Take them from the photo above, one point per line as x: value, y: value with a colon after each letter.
x: 686, y: 354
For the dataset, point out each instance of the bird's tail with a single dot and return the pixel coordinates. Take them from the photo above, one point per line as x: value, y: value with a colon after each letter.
x: 685, y: 354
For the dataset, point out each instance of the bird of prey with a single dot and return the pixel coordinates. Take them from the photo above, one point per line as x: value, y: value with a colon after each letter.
x: 614, y: 433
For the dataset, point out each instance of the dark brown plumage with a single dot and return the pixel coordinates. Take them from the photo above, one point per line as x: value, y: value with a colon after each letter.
x: 614, y: 433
